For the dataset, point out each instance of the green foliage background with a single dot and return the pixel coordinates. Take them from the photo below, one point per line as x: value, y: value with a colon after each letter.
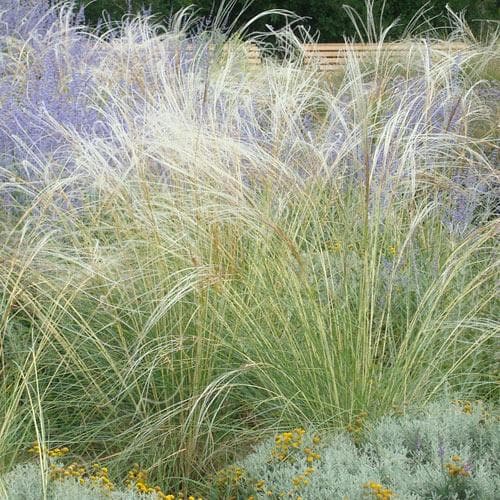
x: 327, y: 16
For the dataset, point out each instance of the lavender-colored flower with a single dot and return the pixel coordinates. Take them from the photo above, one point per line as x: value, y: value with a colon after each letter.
x: 25, y: 18
x: 467, y: 467
x: 469, y: 193
x: 418, y: 442
x: 455, y: 74
x: 441, y: 450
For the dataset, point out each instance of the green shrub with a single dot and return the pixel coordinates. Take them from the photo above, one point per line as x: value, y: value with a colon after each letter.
x: 328, y: 17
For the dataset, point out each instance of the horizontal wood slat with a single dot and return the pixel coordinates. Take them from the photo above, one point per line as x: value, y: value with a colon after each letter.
x: 374, y: 46
x: 333, y: 55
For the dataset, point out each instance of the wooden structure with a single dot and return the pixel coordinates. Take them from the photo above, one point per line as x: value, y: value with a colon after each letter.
x: 331, y: 56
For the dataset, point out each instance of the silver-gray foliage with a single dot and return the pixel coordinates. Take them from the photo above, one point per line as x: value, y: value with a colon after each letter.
x: 24, y: 482
x: 406, y: 454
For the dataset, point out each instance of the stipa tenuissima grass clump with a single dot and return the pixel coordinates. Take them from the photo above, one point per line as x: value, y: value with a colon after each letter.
x: 195, y: 251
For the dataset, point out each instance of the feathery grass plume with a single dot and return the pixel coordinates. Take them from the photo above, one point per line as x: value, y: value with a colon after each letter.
x: 236, y: 250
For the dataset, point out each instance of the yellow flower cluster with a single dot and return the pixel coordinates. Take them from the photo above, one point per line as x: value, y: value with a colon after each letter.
x: 393, y: 250
x: 137, y: 478
x: 260, y: 485
x: 289, y: 446
x: 376, y: 490
x: 36, y: 449
x: 456, y: 467
x: 73, y: 470
x: 336, y: 246
x: 356, y: 427
x: 311, y: 455
x: 477, y: 406
x: 97, y: 476
x: 286, y: 442
x: 179, y: 496
x: 465, y: 406
x: 300, y: 481
x: 230, y: 476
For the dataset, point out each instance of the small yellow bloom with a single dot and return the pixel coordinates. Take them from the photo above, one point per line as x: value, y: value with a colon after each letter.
x: 337, y: 246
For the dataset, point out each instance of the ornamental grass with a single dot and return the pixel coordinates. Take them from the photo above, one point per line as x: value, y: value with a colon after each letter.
x: 197, y: 253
